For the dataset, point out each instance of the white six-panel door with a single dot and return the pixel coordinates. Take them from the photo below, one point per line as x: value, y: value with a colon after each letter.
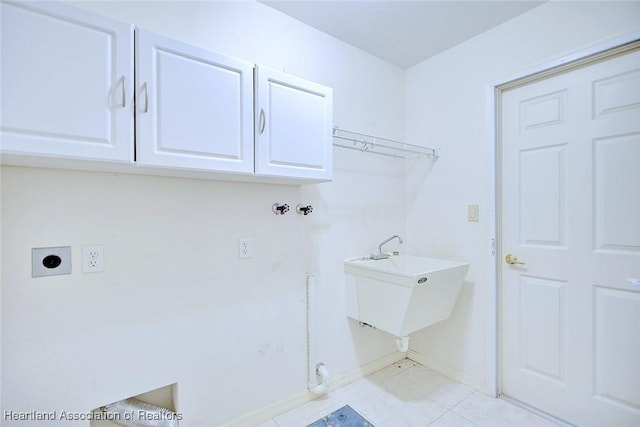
x: 570, y: 315
x: 67, y: 79
x: 194, y: 107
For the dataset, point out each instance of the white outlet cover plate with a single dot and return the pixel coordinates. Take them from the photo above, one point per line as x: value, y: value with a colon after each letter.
x: 92, y: 258
x: 244, y: 248
x: 38, y: 255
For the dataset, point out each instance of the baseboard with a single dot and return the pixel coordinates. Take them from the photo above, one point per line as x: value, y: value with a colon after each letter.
x: 263, y: 414
x: 448, y: 371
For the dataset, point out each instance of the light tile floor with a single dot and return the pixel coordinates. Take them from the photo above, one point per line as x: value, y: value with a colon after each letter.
x: 407, y: 394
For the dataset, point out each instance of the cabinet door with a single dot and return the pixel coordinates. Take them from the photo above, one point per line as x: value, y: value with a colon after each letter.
x: 293, y: 127
x: 66, y: 83
x: 194, y: 107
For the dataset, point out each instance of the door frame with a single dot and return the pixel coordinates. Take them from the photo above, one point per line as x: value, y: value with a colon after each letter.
x: 495, y: 89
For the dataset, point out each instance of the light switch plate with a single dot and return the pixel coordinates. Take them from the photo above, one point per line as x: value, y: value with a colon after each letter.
x: 472, y: 213
x: 52, y: 261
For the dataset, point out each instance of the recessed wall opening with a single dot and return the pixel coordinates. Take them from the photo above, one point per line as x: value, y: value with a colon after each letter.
x: 152, y: 406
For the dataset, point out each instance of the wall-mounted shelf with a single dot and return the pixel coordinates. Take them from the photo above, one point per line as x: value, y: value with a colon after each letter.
x: 376, y: 145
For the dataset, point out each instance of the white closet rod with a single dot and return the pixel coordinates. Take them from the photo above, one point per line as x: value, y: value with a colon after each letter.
x: 376, y: 145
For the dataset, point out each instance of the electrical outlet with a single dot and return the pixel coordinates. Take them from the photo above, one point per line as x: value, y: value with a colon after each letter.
x: 50, y: 261
x: 92, y: 258
x: 244, y: 248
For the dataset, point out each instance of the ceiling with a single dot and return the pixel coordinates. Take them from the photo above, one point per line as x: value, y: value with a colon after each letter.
x: 404, y: 33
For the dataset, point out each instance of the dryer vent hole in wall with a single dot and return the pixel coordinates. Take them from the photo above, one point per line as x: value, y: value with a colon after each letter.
x: 154, y: 408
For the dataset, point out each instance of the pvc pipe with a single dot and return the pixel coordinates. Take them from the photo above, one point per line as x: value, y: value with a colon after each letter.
x: 319, y: 369
x: 321, y: 388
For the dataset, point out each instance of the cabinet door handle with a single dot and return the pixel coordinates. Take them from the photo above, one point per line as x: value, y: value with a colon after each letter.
x: 124, y: 91
x: 146, y: 98
x: 263, y: 122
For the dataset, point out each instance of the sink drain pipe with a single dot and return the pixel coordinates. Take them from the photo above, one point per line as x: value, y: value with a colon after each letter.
x: 315, y: 370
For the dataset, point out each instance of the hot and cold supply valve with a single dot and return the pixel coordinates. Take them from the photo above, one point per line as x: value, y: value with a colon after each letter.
x: 279, y: 209
x: 304, y: 210
x: 283, y: 208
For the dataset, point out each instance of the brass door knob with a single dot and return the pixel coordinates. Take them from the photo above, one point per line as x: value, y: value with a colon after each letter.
x: 512, y: 259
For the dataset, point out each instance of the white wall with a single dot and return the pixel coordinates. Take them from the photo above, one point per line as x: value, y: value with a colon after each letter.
x: 175, y: 304
x: 447, y: 105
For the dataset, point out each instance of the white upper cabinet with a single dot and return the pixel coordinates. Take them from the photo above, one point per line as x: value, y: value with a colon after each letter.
x: 67, y: 79
x: 194, y: 107
x: 69, y: 97
x: 293, y: 127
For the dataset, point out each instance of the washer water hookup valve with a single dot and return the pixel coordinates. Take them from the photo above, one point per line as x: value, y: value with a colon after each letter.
x: 279, y: 209
x: 304, y: 210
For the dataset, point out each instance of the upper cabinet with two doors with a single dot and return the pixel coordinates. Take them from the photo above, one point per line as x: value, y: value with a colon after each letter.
x: 69, y: 92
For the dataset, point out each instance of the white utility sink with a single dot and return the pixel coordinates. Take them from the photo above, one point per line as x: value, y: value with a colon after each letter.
x: 406, y: 270
x: 403, y: 293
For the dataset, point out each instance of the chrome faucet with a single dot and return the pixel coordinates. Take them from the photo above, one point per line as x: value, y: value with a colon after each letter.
x: 380, y: 254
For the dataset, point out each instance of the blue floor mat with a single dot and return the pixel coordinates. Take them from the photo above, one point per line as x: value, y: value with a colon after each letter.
x: 343, y: 417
